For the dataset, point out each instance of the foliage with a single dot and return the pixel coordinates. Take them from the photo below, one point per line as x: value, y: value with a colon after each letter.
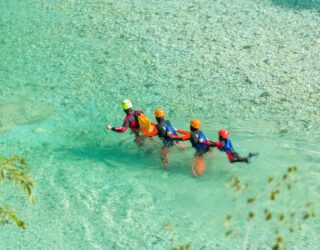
x: 183, y: 247
x: 15, y: 170
x: 275, y: 214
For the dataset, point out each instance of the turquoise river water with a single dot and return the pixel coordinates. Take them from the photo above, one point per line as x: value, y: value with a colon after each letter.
x: 251, y: 66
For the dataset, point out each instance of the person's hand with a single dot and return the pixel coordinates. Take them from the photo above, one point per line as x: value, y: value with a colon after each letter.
x: 109, y: 127
x: 201, y: 140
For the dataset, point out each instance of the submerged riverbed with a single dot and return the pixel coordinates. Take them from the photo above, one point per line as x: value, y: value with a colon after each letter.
x: 249, y: 66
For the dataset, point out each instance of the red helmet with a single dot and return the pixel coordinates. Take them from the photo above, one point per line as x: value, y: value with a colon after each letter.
x: 223, y: 133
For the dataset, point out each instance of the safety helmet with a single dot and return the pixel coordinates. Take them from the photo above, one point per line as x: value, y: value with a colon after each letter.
x: 195, y: 123
x: 159, y: 113
x: 126, y: 104
x: 223, y: 133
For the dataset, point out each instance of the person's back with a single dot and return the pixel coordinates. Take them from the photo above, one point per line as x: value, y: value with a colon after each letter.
x: 165, y: 129
x: 224, y: 144
x: 166, y: 132
x: 130, y: 121
x: 199, y: 142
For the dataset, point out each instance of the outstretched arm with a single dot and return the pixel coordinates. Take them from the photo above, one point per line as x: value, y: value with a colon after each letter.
x: 186, y: 135
x: 121, y: 129
x: 213, y: 144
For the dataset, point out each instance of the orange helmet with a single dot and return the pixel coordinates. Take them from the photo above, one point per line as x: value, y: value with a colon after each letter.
x: 195, y: 123
x: 159, y: 113
x: 223, y: 133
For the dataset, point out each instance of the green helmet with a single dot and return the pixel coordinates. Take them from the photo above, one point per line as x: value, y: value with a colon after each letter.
x: 126, y: 104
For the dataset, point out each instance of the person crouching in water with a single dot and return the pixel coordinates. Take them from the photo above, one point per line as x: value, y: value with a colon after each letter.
x: 225, y: 145
x: 130, y: 121
x: 166, y: 132
x: 200, y: 143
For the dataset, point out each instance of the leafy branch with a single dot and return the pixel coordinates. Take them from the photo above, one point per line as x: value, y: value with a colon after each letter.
x: 15, y: 170
x: 274, y: 210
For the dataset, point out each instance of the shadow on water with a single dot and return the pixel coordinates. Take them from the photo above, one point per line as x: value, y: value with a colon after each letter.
x: 116, y: 155
x: 299, y: 4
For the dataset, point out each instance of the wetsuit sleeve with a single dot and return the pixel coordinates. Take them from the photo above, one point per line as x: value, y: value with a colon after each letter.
x: 219, y: 144
x: 213, y: 144
x: 123, y: 128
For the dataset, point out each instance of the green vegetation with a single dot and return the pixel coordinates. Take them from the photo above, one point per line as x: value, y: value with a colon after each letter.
x: 183, y: 247
x: 15, y: 170
x: 277, y: 215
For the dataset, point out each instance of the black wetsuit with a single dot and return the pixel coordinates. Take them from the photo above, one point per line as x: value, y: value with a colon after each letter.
x: 200, y: 147
x: 164, y: 127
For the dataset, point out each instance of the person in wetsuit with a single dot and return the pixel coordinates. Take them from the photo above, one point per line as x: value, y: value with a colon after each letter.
x: 199, y: 142
x: 165, y: 132
x: 130, y: 121
x: 224, y: 144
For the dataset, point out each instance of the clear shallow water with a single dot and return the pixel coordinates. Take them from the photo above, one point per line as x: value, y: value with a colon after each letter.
x: 250, y: 66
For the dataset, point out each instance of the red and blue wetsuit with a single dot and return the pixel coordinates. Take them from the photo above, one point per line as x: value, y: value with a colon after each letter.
x: 130, y: 121
x: 225, y: 145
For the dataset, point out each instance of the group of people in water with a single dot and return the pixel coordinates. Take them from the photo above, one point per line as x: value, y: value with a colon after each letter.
x: 142, y: 127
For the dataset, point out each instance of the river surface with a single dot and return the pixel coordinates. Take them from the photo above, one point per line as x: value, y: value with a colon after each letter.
x: 251, y: 66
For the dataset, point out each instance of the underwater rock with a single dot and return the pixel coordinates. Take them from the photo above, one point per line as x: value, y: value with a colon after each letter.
x: 246, y: 47
x: 283, y: 131
x: 23, y: 112
x: 149, y: 85
x: 248, y: 81
x: 265, y: 94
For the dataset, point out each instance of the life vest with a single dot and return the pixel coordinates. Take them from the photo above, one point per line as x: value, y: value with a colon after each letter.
x: 164, y: 127
x: 227, y: 146
x: 199, y: 135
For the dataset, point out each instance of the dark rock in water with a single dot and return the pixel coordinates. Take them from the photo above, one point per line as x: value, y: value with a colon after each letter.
x: 246, y: 47
x: 180, y: 86
x: 248, y: 81
x: 149, y: 85
x: 283, y: 131
x: 265, y: 94
x: 266, y: 61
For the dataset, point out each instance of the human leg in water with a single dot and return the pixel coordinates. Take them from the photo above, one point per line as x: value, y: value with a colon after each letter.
x: 181, y: 145
x: 139, y: 139
x: 253, y: 154
x: 164, y: 152
x: 234, y: 157
x: 198, y: 165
